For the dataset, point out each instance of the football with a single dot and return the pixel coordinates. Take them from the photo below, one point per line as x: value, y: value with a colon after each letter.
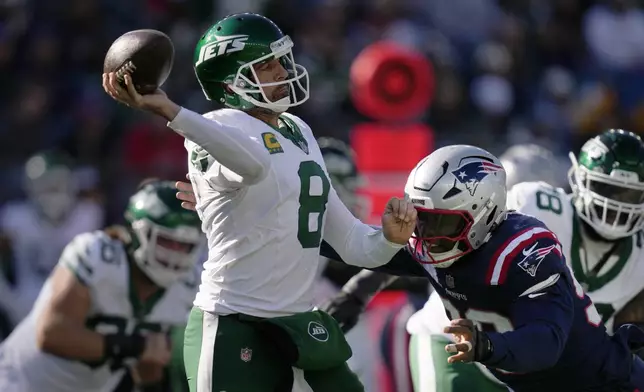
x: 147, y: 55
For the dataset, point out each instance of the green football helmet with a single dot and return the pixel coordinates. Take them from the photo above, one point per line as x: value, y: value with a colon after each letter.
x: 346, y: 180
x: 166, y: 238
x: 50, y: 185
x: 225, y: 60
x: 607, y: 180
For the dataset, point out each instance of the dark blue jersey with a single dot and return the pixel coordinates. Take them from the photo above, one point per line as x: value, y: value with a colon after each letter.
x: 546, y: 333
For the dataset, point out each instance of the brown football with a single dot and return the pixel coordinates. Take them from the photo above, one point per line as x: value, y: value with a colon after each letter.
x: 147, y: 55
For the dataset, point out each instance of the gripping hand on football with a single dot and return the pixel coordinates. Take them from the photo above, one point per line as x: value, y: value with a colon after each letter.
x: 398, y: 220
x: 157, y: 102
x: 471, y: 344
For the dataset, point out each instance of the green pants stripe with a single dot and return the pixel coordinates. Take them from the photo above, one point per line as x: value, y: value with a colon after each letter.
x: 223, y: 354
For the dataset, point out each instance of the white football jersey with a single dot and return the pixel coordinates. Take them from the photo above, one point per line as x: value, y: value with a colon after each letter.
x: 100, y: 262
x: 263, y: 239
x: 37, y: 244
x: 610, y: 286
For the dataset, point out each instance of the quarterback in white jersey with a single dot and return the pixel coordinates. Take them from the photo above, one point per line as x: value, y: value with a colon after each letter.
x: 266, y: 204
x: 111, y: 302
x: 38, y: 228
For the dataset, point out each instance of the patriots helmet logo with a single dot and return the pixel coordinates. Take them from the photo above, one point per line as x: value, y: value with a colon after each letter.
x: 471, y: 174
x: 533, y: 257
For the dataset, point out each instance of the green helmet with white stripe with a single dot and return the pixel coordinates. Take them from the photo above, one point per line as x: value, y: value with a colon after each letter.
x: 228, y: 53
x: 166, y: 238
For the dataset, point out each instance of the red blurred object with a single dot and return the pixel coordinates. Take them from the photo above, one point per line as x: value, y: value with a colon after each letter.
x: 390, y: 82
x: 380, y: 188
x: 383, y: 147
x: 150, y: 150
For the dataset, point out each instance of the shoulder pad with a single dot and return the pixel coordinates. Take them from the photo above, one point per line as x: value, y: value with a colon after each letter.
x: 90, y: 256
x: 538, y: 199
x: 227, y: 116
x: 304, y: 127
x: 526, y: 247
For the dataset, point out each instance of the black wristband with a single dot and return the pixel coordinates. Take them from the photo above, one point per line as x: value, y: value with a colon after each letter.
x: 483, y: 346
x: 119, y: 347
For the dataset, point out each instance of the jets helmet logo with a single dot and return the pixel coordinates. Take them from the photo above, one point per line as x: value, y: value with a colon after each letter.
x: 471, y: 174
x: 222, y: 46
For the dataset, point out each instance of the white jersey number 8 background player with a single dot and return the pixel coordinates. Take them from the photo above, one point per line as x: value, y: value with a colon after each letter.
x: 599, y: 226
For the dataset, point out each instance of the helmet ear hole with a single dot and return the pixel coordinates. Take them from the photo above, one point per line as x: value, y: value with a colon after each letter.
x: 227, y: 88
x: 490, y: 217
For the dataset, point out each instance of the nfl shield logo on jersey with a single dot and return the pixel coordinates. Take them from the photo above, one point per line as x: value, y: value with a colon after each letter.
x: 449, y: 281
x: 246, y: 354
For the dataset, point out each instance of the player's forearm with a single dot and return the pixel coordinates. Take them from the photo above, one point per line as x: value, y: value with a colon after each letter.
x: 401, y: 264
x: 357, y: 243
x: 69, y: 340
x: 528, y: 349
x: 229, y: 146
x: 363, y: 246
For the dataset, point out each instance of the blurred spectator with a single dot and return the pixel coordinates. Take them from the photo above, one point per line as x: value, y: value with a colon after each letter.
x: 550, y: 72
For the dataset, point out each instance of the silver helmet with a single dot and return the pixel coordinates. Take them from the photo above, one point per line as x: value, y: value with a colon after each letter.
x: 531, y: 162
x: 459, y: 192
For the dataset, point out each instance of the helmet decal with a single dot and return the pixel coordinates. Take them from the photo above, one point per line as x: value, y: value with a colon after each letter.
x: 222, y: 46
x: 471, y: 174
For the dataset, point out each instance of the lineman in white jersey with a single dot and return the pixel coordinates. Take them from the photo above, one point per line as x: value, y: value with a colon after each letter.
x: 38, y: 228
x: 111, y: 302
x: 599, y: 226
x: 600, y: 223
x: 266, y: 204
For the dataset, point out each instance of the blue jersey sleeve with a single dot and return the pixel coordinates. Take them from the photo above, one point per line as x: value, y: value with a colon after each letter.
x: 533, y: 275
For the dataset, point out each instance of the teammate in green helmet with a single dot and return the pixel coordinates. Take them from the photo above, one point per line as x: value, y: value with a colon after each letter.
x: 111, y: 303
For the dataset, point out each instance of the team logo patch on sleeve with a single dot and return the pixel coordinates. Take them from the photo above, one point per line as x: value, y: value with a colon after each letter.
x: 533, y: 257
x: 471, y: 174
x: 270, y: 142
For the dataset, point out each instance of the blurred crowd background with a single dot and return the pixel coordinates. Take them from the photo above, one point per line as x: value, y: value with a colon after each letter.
x: 507, y: 71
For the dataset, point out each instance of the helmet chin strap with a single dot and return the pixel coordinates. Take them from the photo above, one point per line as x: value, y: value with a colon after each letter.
x: 280, y: 106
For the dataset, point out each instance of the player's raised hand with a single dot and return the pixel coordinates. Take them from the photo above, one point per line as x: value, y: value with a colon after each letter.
x: 156, y: 102
x: 398, y: 220
x: 187, y: 195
